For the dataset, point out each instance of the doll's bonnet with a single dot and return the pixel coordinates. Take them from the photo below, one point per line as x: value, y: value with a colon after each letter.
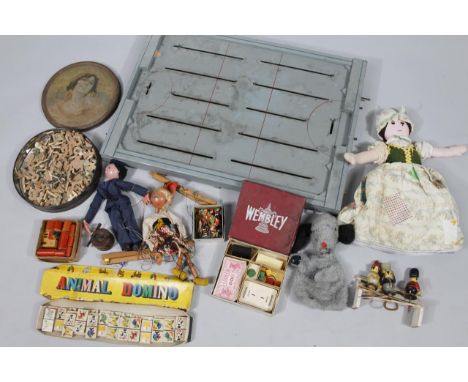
x: 390, y: 114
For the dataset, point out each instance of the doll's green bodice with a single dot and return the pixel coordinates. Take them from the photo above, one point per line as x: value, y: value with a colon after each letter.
x: 407, y: 154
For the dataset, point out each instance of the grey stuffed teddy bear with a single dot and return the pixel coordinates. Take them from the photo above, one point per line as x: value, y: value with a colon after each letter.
x: 319, y: 280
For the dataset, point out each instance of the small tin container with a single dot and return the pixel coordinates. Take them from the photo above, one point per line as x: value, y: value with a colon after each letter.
x: 34, y: 144
x: 208, y: 222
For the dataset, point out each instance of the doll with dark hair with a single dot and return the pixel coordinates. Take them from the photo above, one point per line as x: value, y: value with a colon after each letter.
x: 402, y: 205
x: 118, y: 206
x: 382, y: 133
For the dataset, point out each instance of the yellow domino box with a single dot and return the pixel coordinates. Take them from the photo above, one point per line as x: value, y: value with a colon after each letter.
x: 87, y: 283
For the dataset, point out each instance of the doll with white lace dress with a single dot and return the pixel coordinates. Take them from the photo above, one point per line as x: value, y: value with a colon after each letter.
x: 403, y: 205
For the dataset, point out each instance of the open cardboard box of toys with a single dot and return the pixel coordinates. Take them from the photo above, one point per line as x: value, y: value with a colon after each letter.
x: 256, y: 257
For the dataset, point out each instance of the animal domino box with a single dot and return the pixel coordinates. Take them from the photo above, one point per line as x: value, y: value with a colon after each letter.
x: 87, y: 283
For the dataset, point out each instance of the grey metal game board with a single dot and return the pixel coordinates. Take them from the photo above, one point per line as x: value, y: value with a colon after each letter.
x: 224, y: 109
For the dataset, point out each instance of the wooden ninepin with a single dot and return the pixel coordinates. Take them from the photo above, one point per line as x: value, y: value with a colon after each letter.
x: 188, y: 193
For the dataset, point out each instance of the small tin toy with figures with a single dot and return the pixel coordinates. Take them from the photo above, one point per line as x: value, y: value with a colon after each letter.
x: 380, y: 285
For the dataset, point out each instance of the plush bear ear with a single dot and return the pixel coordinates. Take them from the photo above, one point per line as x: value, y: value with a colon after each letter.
x: 302, y: 237
x: 346, y: 233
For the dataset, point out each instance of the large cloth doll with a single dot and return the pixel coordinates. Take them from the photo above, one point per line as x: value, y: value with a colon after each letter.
x: 402, y: 205
x: 118, y: 205
x: 165, y: 234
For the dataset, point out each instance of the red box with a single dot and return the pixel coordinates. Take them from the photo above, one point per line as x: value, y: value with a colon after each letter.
x: 262, y: 234
x: 59, y: 241
x: 267, y: 217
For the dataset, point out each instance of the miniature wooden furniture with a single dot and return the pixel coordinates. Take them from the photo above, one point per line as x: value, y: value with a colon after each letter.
x: 363, y: 291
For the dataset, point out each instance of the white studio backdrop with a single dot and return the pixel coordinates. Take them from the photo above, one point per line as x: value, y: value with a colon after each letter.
x: 426, y: 74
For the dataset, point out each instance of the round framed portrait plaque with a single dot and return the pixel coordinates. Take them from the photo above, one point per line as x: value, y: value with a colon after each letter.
x: 81, y: 96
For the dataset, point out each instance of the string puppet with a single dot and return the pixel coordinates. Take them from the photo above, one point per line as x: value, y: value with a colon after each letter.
x: 165, y: 234
x: 118, y: 206
x: 402, y: 205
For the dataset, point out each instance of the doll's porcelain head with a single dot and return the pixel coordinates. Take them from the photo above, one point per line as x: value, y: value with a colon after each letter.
x: 115, y: 170
x: 392, y: 122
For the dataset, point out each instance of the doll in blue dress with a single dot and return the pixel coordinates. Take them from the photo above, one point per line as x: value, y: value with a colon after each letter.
x: 118, y: 205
